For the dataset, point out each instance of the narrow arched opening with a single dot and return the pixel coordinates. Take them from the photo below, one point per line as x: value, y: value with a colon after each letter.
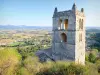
x: 64, y: 37
x: 82, y: 24
x: 80, y: 37
x: 60, y: 24
x: 79, y: 23
x: 66, y: 24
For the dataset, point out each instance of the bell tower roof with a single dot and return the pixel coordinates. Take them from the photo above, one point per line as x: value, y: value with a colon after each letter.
x: 74, y: 7
x: 55, y: 11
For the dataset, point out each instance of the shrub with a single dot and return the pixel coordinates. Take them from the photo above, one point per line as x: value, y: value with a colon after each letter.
x: 74, y: 69
x: 98, y: 65
x: 32, y: 65
x: 92, y: 57
x: 23, y: 71
x: 91, y: 69
x: 9, y: 59
x: 86, y: 58
x: 63, y: 68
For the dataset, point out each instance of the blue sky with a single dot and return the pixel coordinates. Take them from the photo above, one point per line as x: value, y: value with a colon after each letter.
x: 39, y: 12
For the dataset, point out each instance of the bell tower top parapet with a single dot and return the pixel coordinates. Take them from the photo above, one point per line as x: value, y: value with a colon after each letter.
x: 74, y: 10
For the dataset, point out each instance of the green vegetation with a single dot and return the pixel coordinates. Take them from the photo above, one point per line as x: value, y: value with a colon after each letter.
x: 11, y: 64
x: 17, y: 55
x: 9, y: 60
x: 27, y: 51
x: 94, y: 40
x: 92, y: 58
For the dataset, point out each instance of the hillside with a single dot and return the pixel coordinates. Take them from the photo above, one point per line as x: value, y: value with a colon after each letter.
x: 22, y: 27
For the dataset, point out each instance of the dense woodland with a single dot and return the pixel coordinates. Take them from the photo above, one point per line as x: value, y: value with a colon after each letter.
x: 17, y: 56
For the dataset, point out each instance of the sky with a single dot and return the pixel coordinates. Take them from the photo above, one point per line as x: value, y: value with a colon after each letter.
x: 40, y: 12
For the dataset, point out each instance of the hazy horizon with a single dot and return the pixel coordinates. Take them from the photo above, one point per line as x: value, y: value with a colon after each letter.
x: 45, y: 26
x: 39, y: 13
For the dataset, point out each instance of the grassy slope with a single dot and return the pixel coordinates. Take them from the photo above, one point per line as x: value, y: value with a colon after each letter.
x: 9, y: 58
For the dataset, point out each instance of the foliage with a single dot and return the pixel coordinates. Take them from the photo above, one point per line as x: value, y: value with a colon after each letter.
x: 92, y: 57
x: 94, y: 37
x: 98, y: 65
x: 23, y: 71
x: 86, y: 58
x: 27, y: 51
x: 9, y: 59
x: 94, y: 51
x: 32, y: 65
x: 91, y: 69
x: 63, y: 69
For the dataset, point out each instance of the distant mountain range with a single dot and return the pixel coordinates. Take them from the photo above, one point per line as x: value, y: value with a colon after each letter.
x: 93, y: 29
x: 7, y: 27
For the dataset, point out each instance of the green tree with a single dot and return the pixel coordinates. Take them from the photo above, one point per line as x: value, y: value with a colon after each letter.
x: 92, y: 57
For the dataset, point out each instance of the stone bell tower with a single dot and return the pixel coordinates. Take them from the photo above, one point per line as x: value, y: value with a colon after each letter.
x: 69, y: 35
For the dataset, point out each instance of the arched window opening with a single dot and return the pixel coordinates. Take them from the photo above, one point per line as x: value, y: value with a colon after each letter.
x: 66, y: 24
x: 64, y: 37
x: 80, y: 37
x: 60, y: 24
x: 79, y: 23
x: 82, y: 24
